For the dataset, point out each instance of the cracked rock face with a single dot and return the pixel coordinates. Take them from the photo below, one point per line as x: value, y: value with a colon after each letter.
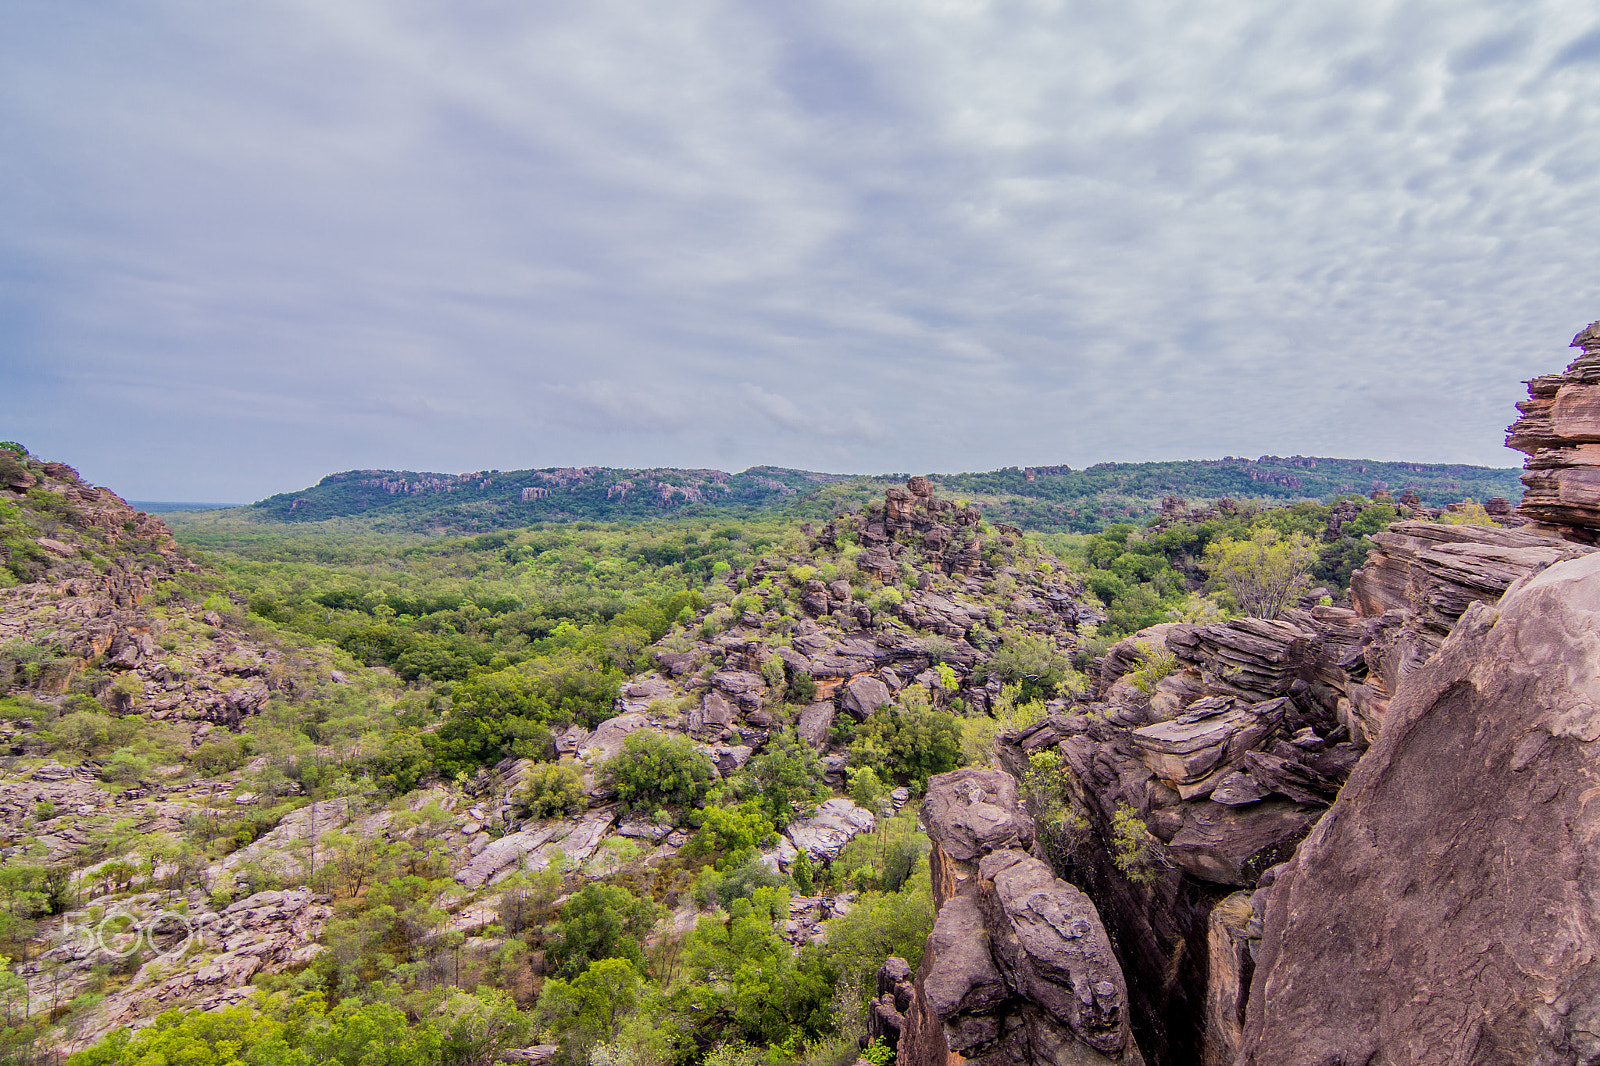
x: 1446, y: 908
x: 1018, y: 968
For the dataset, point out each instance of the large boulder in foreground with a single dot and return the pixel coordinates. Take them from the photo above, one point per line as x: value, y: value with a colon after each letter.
x: 1447, y: 908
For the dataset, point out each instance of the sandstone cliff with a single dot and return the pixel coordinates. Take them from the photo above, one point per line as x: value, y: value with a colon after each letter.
x: 1446, y: 908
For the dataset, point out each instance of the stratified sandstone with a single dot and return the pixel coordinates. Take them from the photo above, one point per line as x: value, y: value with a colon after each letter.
x: 1560, y: 431
x: 1446, y: 909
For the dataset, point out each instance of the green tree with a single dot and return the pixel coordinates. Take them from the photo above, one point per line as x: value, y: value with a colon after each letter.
x: 732, y: 832
x: 590, y: 1008
x: 908, y: 740
x: 654, y: 770
x: 1265, y: 573
x: 787, y: 775
x: 600, y: 922
x: 552, y: 789
x: 1033, y: 661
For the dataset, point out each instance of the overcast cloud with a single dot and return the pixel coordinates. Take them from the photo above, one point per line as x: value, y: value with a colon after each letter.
x: 244, y: 245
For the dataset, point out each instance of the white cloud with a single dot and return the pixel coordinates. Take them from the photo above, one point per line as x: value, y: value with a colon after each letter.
x: 888, y: 236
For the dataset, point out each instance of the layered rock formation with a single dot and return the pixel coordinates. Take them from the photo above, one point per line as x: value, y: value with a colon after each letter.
x: 1230, y: 760
x: 1446, y: 908
x: 1018, y: 968
x: 1560, y: 431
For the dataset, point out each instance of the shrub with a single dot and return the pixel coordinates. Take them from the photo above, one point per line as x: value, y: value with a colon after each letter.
x: 600, y: 922
x: 1154, y: 664
x: 654, y: 770
x: 787, y: 774
x: 772, y: 674
x: 1134, y: 851
x: 803, y: 688
x: 551, y: 790
x: 907, y: 740
x: 1034, y: 662
x: 729, y: 831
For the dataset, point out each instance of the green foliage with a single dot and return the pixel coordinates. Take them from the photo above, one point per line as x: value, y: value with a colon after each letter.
x: 867, y: 788
x: 1154, y: 664
x: 880, y: 925
x: 591, y: 1007
x: 729, y: 832
x: 746, y: 983
x: 802, y: 688
x: 907, y: 740
x: 1032, y: 661
x: 786, y: 776
x: 1467, y: 513
x: 655, y: 770
x: 803, y: 873
x: 1265, y: 573
x: 878, y: 1054
x: 511, y: 711
x: 465, y: 1030
x: 600, y: 922
x: 1134, y: 851
x: 552, y: 789
x: 1148, y: 576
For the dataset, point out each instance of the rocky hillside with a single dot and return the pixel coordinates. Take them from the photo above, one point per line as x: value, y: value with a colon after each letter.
x: 200, y: 808
x: 1036, y: 498
x: 1338, y: 836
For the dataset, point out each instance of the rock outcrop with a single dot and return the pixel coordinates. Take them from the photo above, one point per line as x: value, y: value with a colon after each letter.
x: 1560, y: 432
x: 1018, y: 968
x: 1446, y: 909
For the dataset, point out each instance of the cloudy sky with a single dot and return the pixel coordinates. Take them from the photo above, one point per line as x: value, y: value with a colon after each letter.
x: 243, y: 245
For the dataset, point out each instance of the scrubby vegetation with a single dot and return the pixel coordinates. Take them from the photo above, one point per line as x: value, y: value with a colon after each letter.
x: 1239, y: 559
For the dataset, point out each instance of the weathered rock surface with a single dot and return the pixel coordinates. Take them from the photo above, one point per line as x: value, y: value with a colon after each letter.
x: 1560, y: 432
x: 825, y: 833
x: 1448, y: 896
x: 1018, y: 968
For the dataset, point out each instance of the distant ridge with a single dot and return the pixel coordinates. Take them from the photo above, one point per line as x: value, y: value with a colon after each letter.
x: 168, y: 506
x: 1049, y: 498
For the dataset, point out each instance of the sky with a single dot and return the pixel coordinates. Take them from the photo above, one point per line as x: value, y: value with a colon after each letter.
x: 245, y: 245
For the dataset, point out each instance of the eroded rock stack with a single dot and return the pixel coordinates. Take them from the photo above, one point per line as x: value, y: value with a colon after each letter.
x: 1560, y: 432
x: 1018, y: 968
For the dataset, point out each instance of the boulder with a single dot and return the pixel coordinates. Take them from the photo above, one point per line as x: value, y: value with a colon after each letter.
x: 1195, y: 751
x: 607, y: 738
x: 638, y: 696
x: 741, y: 686
x: 834, y: 824
x: 1249, y: 657
x: 1233, y: 845
x: 1447, y: 893
x: 863, y: 696
x: 969, y: 813
x: 815, y: 723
